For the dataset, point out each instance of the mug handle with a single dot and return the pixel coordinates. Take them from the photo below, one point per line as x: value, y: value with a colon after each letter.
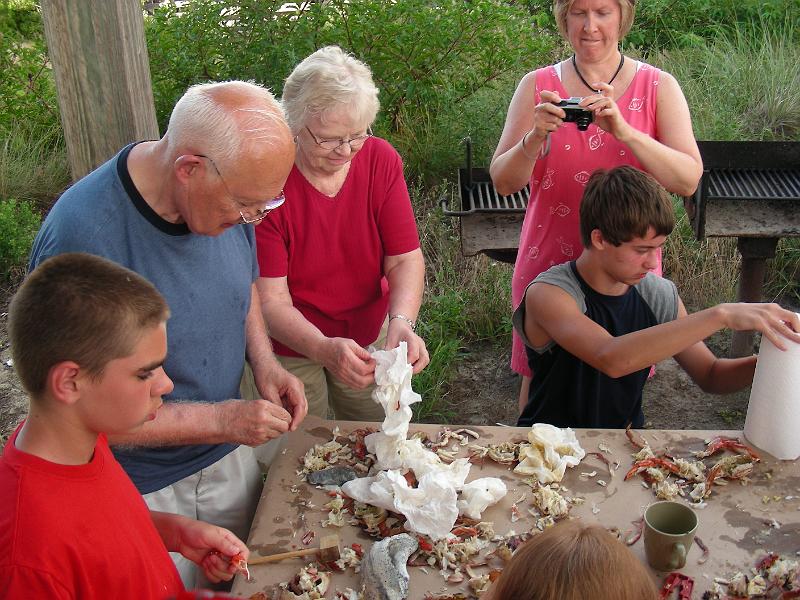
x: 678, y: 556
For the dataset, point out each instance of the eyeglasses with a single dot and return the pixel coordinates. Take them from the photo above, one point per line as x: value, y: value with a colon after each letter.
x: 355, y: 142
x: 261, y: 213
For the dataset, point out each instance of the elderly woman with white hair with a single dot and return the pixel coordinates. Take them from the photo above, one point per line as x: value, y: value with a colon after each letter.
x: 341, y: 266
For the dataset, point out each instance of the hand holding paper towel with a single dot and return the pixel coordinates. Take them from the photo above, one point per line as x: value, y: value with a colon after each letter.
x: 773, y: 414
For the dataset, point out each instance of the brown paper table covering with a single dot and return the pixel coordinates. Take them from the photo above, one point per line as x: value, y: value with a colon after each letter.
x: 739, y: 524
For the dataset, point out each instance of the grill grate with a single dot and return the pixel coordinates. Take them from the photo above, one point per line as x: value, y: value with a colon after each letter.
x: 745, y: 184
x: 482, y: 197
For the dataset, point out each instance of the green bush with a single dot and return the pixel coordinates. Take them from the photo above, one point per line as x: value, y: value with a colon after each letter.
x: 19, y: 223
x: 428, y: 59
x: 27, y: 89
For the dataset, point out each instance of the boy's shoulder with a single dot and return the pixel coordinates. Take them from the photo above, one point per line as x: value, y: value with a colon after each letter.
x: 661, y: 295
x: 564, y: 276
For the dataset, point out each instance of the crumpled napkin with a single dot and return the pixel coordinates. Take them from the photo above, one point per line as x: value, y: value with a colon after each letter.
x: 393, y: 391
x: 551, y: 451
x: 432, y: 507
x: 478, y: 495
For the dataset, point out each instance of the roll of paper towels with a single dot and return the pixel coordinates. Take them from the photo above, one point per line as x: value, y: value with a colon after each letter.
x: 773, y: 414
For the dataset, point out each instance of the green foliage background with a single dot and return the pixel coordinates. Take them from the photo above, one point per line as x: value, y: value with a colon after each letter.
x: 431, y: 60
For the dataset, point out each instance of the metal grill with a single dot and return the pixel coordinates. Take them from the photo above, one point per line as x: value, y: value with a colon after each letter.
x: 480, y: 196
x: 748, y: 189
x: 744, y: 184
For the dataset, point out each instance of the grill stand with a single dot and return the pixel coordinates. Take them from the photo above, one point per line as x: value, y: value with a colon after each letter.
x: 750, y: 191
x: 755, y: 252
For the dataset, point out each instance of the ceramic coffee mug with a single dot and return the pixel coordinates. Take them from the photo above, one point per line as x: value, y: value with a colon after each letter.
x: 669, y: 529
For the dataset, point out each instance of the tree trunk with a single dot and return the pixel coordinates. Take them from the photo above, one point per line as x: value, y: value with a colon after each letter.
x: 102, y: 77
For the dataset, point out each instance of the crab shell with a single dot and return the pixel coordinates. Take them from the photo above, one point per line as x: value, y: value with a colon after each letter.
x: 322, y: 582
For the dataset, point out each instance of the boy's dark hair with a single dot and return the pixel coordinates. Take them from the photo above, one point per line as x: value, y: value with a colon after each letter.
x: 623, y: 203
x: 82, y: 308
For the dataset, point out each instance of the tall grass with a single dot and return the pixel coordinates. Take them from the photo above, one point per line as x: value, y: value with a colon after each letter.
x: 745, y: 85
x: 33, y: 164
x: 467, y: 300
x: 705, y: 271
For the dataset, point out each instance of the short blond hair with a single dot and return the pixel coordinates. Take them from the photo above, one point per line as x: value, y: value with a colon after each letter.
x: 81, y: 308
x: 329, y: 80
x: 627, y: 10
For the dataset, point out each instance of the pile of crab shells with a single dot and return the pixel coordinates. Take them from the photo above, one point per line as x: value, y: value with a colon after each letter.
x: 656, y: 470
x: 772, y: 577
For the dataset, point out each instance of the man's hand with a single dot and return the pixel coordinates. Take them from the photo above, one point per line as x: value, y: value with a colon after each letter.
x: 400, y: 331
x: 283, y: 389
x: 251, y: 422
x: 349, y: 362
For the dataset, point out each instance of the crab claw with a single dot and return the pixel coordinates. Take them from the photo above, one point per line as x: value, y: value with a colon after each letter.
x: 657, y: 462
x: 726, y: 443
x: 635, y: 437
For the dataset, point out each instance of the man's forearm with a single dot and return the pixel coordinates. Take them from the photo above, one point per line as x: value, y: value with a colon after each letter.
x: 177, y: 423
x: 258, y: 349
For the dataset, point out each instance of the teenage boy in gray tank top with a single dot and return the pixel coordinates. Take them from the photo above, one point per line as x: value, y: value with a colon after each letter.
x: 593, y: 327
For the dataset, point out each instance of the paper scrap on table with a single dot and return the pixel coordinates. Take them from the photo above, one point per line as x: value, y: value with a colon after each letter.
x: 433, y: 506
x: 773, y: 413
x: 551, y: 451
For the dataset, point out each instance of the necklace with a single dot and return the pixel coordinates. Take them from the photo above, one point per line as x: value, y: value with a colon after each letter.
x: 613, y: 77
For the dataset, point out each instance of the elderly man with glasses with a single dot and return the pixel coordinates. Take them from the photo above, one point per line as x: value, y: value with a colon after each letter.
x: 341, y: 263
x: 180, y: 211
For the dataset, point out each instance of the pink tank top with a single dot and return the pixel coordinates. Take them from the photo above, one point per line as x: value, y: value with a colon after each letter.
x: 551, y: 229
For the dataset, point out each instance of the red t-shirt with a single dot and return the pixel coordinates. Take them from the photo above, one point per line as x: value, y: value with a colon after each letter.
x: 78, y: 531
x: 331, y: 250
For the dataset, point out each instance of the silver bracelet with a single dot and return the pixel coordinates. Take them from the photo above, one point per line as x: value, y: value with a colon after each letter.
x: 406, y: 319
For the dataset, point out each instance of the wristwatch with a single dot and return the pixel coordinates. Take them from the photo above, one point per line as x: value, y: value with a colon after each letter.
x: 406, y: 319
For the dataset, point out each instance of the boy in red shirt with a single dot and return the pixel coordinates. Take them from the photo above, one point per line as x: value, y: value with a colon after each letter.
x: 88, y: 339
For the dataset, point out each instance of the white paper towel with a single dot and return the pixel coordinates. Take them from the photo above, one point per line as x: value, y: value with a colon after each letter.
x: 773, y: 414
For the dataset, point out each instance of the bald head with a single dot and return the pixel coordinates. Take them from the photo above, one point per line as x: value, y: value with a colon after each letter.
x: 228, y: 121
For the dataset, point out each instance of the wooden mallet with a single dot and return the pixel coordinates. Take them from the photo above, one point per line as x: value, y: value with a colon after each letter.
x: 328, y: 551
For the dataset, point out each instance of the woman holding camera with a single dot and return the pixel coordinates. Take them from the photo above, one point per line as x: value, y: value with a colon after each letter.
x: 639, y: 117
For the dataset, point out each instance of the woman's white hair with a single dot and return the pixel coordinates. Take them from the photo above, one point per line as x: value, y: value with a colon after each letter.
x: 329, y: 80
x: 222, y: 119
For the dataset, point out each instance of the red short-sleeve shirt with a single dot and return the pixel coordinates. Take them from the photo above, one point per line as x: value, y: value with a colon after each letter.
x: 331, y: 249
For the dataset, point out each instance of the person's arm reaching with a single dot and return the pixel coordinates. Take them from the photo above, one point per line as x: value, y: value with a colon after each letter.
x: 250, y: 422
x: 551, y: 313
x: 406, y: 276
x: 342, y: 356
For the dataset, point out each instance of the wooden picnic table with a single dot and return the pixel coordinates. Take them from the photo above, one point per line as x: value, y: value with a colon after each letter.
x: 739, y: 523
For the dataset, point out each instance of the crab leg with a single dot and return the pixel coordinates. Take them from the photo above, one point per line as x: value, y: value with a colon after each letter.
x: 635, y: 437
x: 702, y: 547
x: 679, y: 581
x: 661, y: 463
x: 726, y: 443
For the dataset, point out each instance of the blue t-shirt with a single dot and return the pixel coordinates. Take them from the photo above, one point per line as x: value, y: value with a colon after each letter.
x: 206, y: 281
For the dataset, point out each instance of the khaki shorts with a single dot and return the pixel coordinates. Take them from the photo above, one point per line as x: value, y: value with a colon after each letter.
x: 225, y: 493
x: 324, y: 392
